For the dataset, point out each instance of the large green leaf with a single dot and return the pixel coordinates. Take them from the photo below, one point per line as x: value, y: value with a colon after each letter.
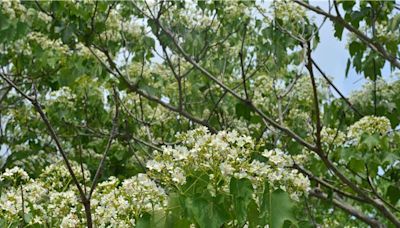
x: 153, y: 220
x: 206, y: 212
x: 279, y: 207
x: 176, y: 216
x: 241, y: 191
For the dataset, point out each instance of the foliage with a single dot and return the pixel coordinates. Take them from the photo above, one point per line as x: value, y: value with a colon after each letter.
x: 196, y: 114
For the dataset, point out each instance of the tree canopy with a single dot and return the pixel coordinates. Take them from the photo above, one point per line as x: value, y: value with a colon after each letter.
x: 196, y: 114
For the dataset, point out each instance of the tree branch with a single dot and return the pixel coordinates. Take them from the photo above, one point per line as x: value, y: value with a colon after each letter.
x: 309, y: 67
x: 327, y: 185
x: 4, y: 94
x: 335, y: 88
x: 112, y: 136
x: 241, y: 56
x: 232, y: 92
x: 364, y: 38
x: 54, y: 136
x: 134, y: 88
x: 347, y: 208
x: 377, y: 203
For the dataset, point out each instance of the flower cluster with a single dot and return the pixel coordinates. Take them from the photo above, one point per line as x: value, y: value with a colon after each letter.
x: 235, y: 9
x: 221, y: 157
x: 244, y: 127
x: 369, y: 125
x: 331, y: 136
x: 193, y: 17
x: 64, y: 94
x: 386, y: 34
x: 14, y: 175
x: 113, y: 204
x: 280, y: 174
x: 263, y: 86
x: 289, y: 11
x: 387, y: 93
x: 13, y: 9
x: 57, y: 177
x: 34, y: 195
x: 48, y: 44
x: 122, y: 206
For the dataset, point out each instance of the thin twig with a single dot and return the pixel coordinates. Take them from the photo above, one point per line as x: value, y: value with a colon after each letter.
x: 112, y: 136
x: 346, y: 207
x: 335, y: 88
x: 375, y: 46
x: 241, y: 57
x: 54, y: 136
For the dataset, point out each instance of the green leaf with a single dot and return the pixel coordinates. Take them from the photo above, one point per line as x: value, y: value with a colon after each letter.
x: 338, y: 30
x: 241, y: 191
x: 357, y: 16
x: 201, y: 4
x: 394, y: 23
x: 123, y: 85
x: 253, y: 215
x: 207, y: 213
x: 150, y: 43
x: 22, y: 29
x: 357, y: 165
x: 28, y: 217
x: 347, y: 67
x: 153, y: 220
x: 265, y: 205
x: 348, y: 5
x: 144, y: 221
x: 370, y: 141
x: 119, y: 155
x: 149, y: 90
x: 176, y: 216
x: 393, y: 192
x: 280, y: 207
x: 242, y: 111
x: 355, y: 47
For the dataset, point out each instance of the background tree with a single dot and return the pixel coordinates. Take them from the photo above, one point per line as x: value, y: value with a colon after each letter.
x: 207, y: 113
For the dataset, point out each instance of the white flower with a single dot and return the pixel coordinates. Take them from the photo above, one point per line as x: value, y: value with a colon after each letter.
x: 241, y: 174
x: 155, y: 165
x: 221, y: 156
x: 13, y: 174
x: 180, y: 153
x: 70, y: 221
x: 178, y: 176
x: 44, y: 17
x: 226, y: 169
x: 369, y: 125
